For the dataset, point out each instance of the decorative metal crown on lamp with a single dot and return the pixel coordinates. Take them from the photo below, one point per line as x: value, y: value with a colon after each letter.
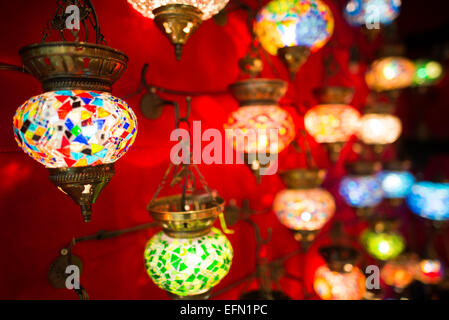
x: 178, y: 19
x: 76, y: 128
x: 366, y: 12
x: 430, y: 200
x: 382, y: 240
x: 333, y: 120
x: 390, y: 73
x: 293, y: 29
x: 340, y: 278
x: 259, y: 119
x: 304, y: 207
x: 361, y: 188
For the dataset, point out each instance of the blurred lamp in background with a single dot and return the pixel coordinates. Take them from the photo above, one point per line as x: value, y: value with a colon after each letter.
x: 188, y: 267
x: 178, y: 19
x: 390, y: 73
x: 304, y: 207
x: 382, y: 240
x: 430, y: 200
x: 399, y: 273
x: 369, y: 12
x: 294, y: 28
x: 396, y: 180
x: 429, y: 271
x: 427, y: 73
x: 333, y: 121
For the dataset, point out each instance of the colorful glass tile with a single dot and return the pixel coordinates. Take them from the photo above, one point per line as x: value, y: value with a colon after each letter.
x: 361, y: 191
x: 287, y: 23
x: 188, y: 266
x: 61, y: 128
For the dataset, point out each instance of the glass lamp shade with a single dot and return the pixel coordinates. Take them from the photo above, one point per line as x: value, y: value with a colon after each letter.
x: 361, y: 191
x: 430, y: 200
x: 331, y: 285
x: 384, y: 245
x: 186, y: 267
x: 397, y: 273
x: 376, y: 128
x: 207, y: 7
x: 429, y: 271
x: 304, y: 209
x: 264, y: 128
x: 331, y: 123
x: 427, y: 72
x: 390, y: 73
x: 75, y: 128
x: 288, y: 23
x: 361, y: 12
x: 396, y: 184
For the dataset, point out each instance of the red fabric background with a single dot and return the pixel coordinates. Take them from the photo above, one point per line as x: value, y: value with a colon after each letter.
x: 38, y: 220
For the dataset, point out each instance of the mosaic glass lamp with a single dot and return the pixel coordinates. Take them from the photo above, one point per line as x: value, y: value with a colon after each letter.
x: 382, y: 240
x: 178, y: 19
x: 428, y: 72
x: 304, y: 207
x: 379, y: 127
x: 259, y: 125
x: 366, y: 12
x: 333, y: 121
x: 340, y: 278
x: 294, y: 28
x: 429, y: 271
x: 396, y: 180
x: 361, y: 188
x: 188, y: 267
x: 399, y: 272
x: 76, y: 128
x: 430, y: 200
x: 390, y: 73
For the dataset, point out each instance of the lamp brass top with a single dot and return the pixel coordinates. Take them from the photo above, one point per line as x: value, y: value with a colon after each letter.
x: 384, y: 224
x: 194, y: 220
x: 334, y: 95
x: 363, y: 167
x: 258, y: 91
x: 340, y: 258
x: 67, y: 65
x: 398, y: 165
x: 303, y: 178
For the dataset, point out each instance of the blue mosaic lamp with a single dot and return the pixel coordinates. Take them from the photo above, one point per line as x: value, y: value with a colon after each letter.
x: 396, y: 180
x: 430, y: 200
x: 360, y: 12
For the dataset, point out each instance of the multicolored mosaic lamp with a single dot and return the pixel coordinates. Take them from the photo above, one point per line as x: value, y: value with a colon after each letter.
x: 396, y: 180
x: 178, y: 19
x: 390, y: 73
x: 361, y: 188
x: 399, y: 272
x: 429, y: 271
x: 367, y: 12
x: 340, y: 279
x: 304, y: 207
x: 333, y: 121
x: 430, y: 200
x: 428, y: 72
x: 382, y: 240
x: 259, y: 125
x: 294, y: 28
x: 77, y: 129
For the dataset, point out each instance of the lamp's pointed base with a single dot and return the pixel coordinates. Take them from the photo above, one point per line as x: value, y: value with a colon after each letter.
x: 201, y: 296
x: 333, y: 150
x: 178, y: 22
x: 253, y: 161
x: 293, y: 58
x: 305, y: 237
x: 82, y: 184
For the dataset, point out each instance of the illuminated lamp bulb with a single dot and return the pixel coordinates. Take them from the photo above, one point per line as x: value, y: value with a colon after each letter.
x: 340, y: 279
x: 430, y: 200
x: 188, y: 267
x: 76, y: 128
x: 399, y: 273
x: 361, y: 188
x: 178, y: 19
x: 427, y: 72
x: 429, y: 271
x: 304, y: 207
x: 369, y: 12
x: 390, y: 73
x: 333, y: 121
x: 396, y: 181
x: 259, y: 126
x: 293, y: 29
x: 383, y: 241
